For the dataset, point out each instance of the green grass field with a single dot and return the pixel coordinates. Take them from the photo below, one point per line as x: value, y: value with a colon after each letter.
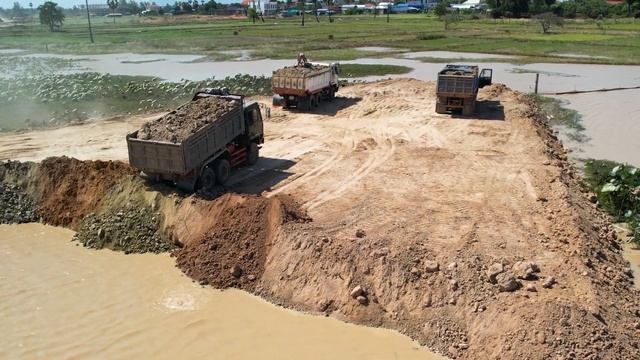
x: 608, y: 41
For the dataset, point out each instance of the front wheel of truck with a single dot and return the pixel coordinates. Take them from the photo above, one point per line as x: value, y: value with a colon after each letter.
x: 253, y: 154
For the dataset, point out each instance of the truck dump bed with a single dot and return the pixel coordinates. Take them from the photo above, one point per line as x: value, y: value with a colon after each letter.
x: 300, y: 80
x: 183, y: 139
x: 458, y: 80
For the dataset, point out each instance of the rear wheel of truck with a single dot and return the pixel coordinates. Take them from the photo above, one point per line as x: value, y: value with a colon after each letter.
x: 207, y: 180
x: 223, y: 170
x: 253, y: 154
x: 441, y: 109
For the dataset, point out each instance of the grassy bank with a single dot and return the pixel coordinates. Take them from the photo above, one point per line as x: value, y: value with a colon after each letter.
x: 617, y: 187
x: 569, y: 120
x: 362, y: 70
x: 606, y: 41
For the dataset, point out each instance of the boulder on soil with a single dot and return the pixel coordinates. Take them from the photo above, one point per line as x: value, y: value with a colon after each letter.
x: 493, y: 271
x: 507, y: 282
x: 525, y: 270
x: 549, y: 282
x: 358, y: 291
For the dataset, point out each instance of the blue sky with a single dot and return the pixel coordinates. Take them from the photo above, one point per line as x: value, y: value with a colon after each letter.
x: 7, y: 4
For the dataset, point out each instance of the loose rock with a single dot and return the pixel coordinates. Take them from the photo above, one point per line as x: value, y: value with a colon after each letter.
x: 358, y: 291
x: 507, y: 283
x: 494, y: 271
x: 432, y: 266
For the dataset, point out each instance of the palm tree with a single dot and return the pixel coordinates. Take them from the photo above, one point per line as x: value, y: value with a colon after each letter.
x: 51, y: 15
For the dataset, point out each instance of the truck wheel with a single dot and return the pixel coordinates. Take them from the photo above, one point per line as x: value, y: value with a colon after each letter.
x: 253, y: 154
x: 441, y: 109
x: 223, y: 170
x: 207, y: 180
x: 332, y: 94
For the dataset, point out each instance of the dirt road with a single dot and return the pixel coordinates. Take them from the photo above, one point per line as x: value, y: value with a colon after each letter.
x: 469, y: 234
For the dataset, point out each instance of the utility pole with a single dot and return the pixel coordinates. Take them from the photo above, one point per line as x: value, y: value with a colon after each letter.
x: 388, y: 10
x: 86, y: 2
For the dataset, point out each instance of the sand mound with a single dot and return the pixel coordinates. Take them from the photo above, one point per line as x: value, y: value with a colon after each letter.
x: 495, y: 90
x: 68, y: 189
x: 232, y: 252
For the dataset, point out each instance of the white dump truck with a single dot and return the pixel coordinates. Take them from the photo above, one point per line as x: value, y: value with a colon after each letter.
x: 303, y: 86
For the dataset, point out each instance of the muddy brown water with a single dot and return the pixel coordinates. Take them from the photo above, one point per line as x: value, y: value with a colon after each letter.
x: 632, y: 253
x: 62, y: 301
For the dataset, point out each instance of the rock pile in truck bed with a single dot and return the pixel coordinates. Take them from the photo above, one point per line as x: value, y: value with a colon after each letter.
x: 184, y: 121
x: 298, y: 70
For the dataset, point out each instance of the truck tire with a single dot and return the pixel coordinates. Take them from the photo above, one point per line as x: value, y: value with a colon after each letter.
x: 207, y: 180
x: 441, y: 109
x: 332, y: 94
x: 252, y: 154
x: 223, y: 170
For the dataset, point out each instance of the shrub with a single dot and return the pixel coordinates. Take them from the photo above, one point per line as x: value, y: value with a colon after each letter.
x: 617, y: 187
x: 428, y: 36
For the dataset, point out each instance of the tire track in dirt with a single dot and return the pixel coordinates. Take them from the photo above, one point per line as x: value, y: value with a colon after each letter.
x: 379, y: 157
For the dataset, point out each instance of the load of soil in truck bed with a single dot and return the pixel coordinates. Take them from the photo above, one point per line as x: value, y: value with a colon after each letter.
x: 298, y: 70
x: 184, y: 121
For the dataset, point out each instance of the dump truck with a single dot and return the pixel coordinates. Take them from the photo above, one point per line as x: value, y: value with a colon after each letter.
x: 458, y: 86
x: 196, y: 145
x: 303, y: 86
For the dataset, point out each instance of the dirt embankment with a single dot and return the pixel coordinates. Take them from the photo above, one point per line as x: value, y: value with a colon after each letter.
x: 231, y: 250
x: 103, y: 200
x: 183, y: 122
x: 68, y: 189
x: 471, y: 235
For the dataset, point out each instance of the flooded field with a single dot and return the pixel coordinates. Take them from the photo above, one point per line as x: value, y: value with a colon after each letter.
x: 59, y: 301
x: 610, y: 118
